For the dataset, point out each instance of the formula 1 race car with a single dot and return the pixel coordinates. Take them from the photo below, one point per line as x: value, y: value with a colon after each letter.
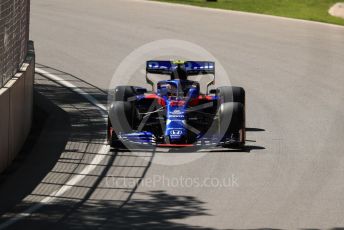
x: 177, y: 114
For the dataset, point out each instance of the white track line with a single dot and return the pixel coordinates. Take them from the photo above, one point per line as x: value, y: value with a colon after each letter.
x: 77, y: 90
x: 77, y: 178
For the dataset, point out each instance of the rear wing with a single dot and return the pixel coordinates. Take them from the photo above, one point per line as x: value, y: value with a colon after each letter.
x: 192, y: 68
x: 159, y: 67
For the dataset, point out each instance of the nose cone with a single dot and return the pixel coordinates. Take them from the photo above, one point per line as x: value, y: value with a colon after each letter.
x: 175, y: 123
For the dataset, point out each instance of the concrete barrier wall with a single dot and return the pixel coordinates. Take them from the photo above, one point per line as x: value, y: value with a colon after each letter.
x: 16, y: 107
x: 4, y: 127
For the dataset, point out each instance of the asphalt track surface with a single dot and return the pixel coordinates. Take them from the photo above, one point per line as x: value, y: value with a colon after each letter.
x: 290, y: 175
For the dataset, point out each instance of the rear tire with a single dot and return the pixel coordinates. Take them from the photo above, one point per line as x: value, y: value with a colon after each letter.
x: 123, y: 93
x: 231, y: 94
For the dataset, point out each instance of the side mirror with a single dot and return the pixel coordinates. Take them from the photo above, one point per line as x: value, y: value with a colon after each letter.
x: 141, y: 90
x: 213, y: 91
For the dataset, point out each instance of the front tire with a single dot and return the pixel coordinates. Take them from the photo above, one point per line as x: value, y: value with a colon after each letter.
x: 232, y: 114
x: 112, y: 137
x: 122, y: 113
x: 232, y: 122
x: 121, y: 120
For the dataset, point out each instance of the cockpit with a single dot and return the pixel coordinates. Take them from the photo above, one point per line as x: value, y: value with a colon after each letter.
x: 178, y: 88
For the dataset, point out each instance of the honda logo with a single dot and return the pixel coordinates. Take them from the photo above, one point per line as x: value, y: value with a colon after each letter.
x: 176, y: 132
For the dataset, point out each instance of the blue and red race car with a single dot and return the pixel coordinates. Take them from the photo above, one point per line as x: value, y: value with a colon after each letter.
x: 175, y: 113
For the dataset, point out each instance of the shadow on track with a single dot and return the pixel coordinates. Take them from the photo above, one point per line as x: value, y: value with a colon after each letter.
x: 254, y: 130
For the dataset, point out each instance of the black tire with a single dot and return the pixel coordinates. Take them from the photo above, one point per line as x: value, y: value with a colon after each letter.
x: 122, y: 119
x: 234, y: 94
x: 122, y: 113
x: 124, y: 93
x: 109, y: 132
x: 112, y: 137
x: 231, y: 94
x: 232, y: 120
